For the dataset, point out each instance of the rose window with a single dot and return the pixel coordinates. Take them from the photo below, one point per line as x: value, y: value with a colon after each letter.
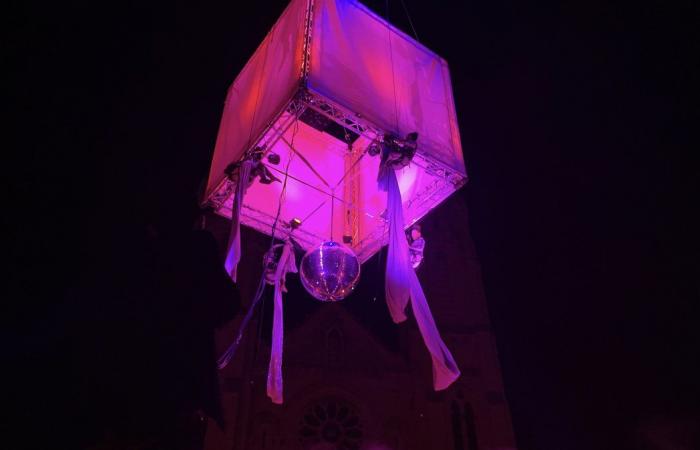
x: 333, y: 423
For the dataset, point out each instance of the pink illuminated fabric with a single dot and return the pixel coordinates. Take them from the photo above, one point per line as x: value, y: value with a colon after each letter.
x: 370, y: 67
x: 402, y: 283
x: 372, y: 71
x: 445, y: 370
x: 285, y: 265
x: 261, y: 89
x: 397, y: 284
x: 233, y: 252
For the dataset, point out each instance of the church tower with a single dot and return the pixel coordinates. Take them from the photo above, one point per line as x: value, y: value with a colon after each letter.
x: 354, y: 379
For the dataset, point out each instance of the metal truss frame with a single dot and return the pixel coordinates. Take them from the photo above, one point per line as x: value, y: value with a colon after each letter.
x: 447, y: 180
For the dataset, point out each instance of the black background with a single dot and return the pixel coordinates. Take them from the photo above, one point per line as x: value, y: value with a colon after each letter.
x: 576, y: 124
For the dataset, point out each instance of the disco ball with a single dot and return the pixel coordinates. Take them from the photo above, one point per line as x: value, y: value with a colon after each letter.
x: 330, y: 271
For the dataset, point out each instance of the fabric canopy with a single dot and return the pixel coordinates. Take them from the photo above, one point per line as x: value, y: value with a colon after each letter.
x: 261, y: 90
x: 362, y: 62
x: 356, y: 59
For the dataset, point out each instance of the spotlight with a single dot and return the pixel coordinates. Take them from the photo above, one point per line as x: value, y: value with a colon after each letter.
x: 273, y: 158
x: 294, y: 223
x: 374, y: 149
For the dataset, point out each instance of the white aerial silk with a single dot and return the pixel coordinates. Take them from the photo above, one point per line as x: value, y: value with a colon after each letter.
x: 285, y: 265
x: 402, y: 284
x: 397, y: 285
x: 233, y: 252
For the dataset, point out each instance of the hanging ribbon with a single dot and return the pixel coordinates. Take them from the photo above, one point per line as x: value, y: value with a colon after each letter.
x: 285, y: 265
x: 397, y: 284
x: 402, y: 283
x: 233, y: 252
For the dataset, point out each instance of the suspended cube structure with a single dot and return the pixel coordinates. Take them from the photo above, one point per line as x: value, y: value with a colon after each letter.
x: 326, y: 84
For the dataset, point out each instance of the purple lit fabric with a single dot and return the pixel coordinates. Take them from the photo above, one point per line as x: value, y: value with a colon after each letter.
x: 233, y: 253
x: 398, y: 266
x: 285, y: 265
x: 364, y: 63
x: 402, y: 284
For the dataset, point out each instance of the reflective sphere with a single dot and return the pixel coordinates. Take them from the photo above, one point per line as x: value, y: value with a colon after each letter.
x: 330, y: 271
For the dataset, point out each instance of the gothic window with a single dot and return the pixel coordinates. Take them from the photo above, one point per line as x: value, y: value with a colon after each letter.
x: 331, y: 422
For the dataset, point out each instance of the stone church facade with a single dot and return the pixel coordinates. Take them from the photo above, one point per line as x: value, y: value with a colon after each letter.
x: 353, y: 381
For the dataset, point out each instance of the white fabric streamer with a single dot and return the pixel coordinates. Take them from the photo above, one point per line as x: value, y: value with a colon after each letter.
x: 445, y: 370
x: 398, y: 265
x: 402, y: 283
x: 233, y: 252
x: 285, y: 265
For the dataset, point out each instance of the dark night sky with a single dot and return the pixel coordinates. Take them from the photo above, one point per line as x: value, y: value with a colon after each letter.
x: 575, y: 120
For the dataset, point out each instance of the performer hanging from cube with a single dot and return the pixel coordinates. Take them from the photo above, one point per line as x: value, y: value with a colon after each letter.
x: 416, y: 245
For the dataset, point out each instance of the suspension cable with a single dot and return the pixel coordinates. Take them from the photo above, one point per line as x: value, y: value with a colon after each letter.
x: 410, y: 21
x: 231, y: 350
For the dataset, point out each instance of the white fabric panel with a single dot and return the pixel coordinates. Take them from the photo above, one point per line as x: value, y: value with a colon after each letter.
x: 362, y: 62
x: 275, y: 383
x: 261, y: 89
x: 397, y: 283
x: 402, y: 283
x: 233, y: 252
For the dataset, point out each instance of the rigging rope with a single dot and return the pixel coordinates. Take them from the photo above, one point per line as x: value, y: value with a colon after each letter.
x: 410, y: 21
x: 231, y: 350
x: 281, y: 200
